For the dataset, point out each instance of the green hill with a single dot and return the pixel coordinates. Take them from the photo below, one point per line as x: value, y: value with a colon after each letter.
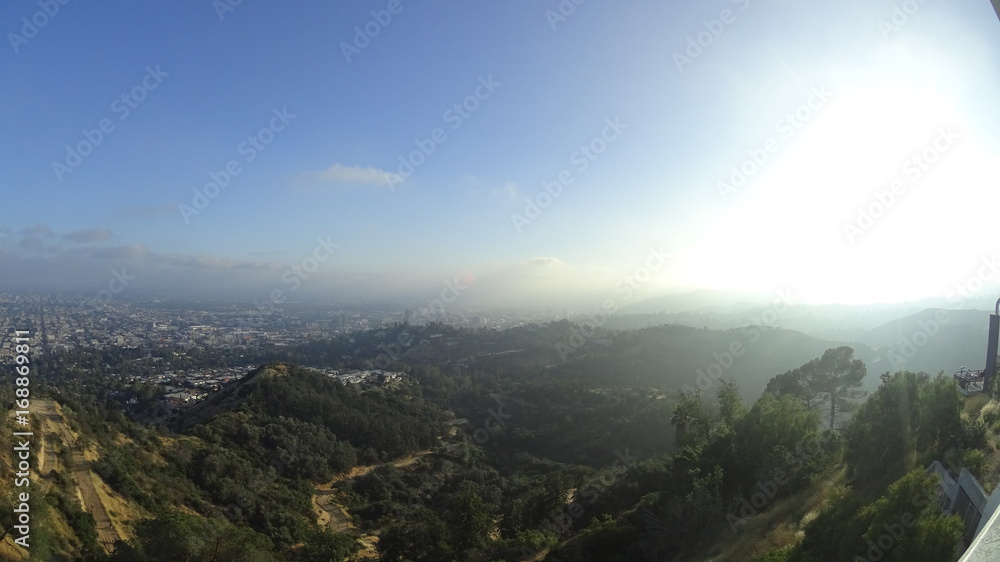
x: 931, y: 341
x: 675, y: 357
x: 521, y: 456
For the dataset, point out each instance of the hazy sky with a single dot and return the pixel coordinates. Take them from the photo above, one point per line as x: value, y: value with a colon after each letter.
x: 206, y: 148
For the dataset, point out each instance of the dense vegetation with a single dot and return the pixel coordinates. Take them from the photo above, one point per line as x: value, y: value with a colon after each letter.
x: 505, y: 452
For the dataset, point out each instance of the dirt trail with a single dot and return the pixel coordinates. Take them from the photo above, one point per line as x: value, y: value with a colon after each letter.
x: 331, y: 514
x: 360, y: 471
x: 54, y: 424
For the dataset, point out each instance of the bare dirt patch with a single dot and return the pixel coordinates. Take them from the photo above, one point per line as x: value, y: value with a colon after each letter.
x: 331, y: 513
x: 54, y: 424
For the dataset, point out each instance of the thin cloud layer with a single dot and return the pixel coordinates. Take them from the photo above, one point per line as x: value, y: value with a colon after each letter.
x: 339, y: 174
x: 42, y: 230
x: 88, y: 236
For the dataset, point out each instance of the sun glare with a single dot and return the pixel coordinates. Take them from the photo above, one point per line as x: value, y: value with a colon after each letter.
x: 819, y: 216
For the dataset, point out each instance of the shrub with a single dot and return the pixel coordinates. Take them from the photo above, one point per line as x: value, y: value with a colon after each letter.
x: 990, y: 412
x: 781, y: 555
x: 974, y: 433
x: 975, y: 461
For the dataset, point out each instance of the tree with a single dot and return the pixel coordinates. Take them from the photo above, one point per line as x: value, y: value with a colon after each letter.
x: 178, y: 537
x: 910, y: 418
x: 830, y: 382
x: 422, y: 537
x: 691, y: 420
x: 323, y: 545
x: 470, y: 519
x: 905, y: 524
x: 940, y: 415
x: 776, y: 434
x: 731, y: 407
x: 837, y: 377
x: 792, y: 383
x: 911, y: 498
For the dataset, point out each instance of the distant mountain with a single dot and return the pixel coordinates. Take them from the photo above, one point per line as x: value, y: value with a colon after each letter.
x: 841, y: 321
x: 720, y: 310
x: 676, y: 357
x: 700, y: 300
x: 932, y: 340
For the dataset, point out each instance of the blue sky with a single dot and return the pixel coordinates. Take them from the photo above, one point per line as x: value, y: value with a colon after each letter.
x: 838, y: 96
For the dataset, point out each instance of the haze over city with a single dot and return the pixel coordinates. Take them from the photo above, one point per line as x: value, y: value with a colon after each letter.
x: 559, y: 155
x: 565, y: 281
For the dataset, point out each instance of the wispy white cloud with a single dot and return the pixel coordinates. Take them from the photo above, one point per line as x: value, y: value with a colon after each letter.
x: 129, y: 252
x: 353, y: 175
x: 139, y: 252
x: 88, y: 236
x: 509, y: 190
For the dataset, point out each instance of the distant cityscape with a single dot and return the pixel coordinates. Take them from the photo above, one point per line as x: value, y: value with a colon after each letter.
x: 74, y: 322
x: 65, y: 323
x: 188, y: 388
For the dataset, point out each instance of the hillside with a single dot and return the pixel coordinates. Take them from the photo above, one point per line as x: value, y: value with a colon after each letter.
x: 932, y: 340
x: 725, y: 310
x: 674, y: 357
x: 239, y: 471
x: 74, y: 514
x: 338, y: 425
x: 228, y: 399
x: 489, y: 448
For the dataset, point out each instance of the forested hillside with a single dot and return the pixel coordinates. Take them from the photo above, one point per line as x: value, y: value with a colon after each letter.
x: 487, y: 450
